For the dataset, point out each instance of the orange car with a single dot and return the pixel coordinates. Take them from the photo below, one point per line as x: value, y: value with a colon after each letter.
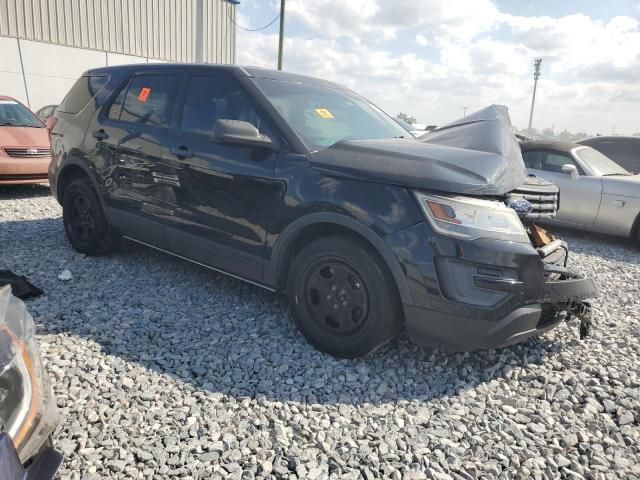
x: 25, y: 148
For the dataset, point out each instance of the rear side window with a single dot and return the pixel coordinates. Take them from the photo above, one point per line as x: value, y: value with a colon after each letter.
x: 147, y: 101
x: 82, y: 92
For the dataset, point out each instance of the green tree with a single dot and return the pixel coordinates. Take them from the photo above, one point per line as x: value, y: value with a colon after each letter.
x: 406, y: 118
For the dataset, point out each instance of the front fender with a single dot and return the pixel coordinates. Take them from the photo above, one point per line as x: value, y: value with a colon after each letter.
x: 287, y: 238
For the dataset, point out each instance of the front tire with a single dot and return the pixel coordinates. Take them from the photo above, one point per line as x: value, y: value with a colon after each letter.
x: 342, y: 297
x: 84, y: 221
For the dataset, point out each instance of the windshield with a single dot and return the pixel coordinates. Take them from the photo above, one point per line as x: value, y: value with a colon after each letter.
x: 323, y: 116
x: 16, y: 115
x: 598, y: 163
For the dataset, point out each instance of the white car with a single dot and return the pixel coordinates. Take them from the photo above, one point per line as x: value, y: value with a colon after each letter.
x: 596, y: 194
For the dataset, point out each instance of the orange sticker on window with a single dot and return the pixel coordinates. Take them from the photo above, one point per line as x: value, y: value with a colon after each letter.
x: 144, y: 94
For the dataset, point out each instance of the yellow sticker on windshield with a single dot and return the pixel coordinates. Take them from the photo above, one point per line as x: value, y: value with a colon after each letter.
x: 324, y: 113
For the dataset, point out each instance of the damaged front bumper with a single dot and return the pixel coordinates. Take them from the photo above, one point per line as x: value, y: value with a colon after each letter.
x: 478, y: 294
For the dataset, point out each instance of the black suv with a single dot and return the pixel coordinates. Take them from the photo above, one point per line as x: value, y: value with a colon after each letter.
x: 300, y: 185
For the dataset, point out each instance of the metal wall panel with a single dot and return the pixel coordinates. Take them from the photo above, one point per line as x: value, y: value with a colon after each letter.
x: 157, y: 29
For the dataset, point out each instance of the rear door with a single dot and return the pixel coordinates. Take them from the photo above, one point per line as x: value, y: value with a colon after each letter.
x: 127, y: 138
x: 224, y: 193
x: 580, y: 198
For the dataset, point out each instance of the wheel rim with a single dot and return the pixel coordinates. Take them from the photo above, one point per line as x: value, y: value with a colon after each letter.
x: 335, y: 297
x: 82, y: 222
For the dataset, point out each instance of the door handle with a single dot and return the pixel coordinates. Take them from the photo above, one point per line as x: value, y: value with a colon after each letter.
x: 182, y: 152
x: 100, y: 135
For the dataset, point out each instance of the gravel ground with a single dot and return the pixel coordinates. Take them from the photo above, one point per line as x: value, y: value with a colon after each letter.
x: 164, y: 369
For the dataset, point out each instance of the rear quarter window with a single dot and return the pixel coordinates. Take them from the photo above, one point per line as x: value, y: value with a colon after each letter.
x: 148, y: 100
x: 82, y: 92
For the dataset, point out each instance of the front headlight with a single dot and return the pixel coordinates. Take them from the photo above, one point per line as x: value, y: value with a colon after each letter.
x: 472, y: 218
x: 27, y: 408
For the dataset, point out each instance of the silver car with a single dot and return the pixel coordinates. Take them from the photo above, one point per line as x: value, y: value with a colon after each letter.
x: 596, y: 194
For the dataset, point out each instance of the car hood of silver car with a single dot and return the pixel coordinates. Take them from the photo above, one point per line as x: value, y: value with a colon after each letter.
x: 476, y: 155
x: 625, y: 186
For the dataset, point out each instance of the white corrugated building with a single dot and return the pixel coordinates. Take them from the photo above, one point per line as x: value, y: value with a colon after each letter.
x: 46, y: 44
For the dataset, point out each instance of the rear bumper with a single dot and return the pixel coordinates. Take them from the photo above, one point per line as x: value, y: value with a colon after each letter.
x: 477, y: 294
x: 15, y: 171
x: 42, y: 466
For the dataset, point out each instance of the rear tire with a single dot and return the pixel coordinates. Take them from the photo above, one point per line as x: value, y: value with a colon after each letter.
x: 342, y: 297
x: 84, y: 221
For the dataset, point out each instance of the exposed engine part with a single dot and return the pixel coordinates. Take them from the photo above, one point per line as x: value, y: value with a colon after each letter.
x: 582, y: 311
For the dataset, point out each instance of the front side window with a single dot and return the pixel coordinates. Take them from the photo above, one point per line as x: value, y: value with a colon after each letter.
x: 213, y: 98
x: 323, y: 115
x: 534, y: 159
x: 548, y: 161
x: 14, y: 114
x: 147, y: 101
x: 553, y: 162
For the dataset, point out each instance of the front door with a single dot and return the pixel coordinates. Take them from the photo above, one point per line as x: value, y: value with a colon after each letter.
x: 579, y: 198
x: 225, y: 191
x: 125, y: 146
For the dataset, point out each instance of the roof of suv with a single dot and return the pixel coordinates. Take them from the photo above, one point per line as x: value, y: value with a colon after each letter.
x: 6, y: 97
x: 255, y: 72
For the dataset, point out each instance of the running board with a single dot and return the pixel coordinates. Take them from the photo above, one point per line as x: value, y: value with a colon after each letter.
x: 202, y: 264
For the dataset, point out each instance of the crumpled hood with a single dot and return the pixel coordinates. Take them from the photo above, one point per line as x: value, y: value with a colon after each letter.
x: 477, y: 155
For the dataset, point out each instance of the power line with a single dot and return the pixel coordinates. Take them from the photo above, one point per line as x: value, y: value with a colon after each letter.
x: 254, y: 29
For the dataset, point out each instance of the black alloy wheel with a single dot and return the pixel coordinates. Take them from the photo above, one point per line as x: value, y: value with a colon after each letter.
x: 84, y: 221
x: 342, y: 296
x: 335, y: 297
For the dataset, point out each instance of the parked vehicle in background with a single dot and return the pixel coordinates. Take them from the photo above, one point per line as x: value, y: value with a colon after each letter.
x: 408, y: 127
x: 27, y: 406
x: 25, y: 150
x: 596, y: 194
x: 301, y: 185
x: 625, y: 151
x: 46, y: 112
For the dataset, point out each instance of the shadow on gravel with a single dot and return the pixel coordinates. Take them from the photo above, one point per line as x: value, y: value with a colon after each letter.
x: 600, y: 245
x: 222, y: 335
x: 8, y: 192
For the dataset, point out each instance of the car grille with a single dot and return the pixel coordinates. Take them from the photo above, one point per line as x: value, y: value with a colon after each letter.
x: 542, y: 195
x: 27, y: 152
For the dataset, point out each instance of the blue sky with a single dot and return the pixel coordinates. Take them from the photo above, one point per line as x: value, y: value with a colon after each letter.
x: 431, y: 58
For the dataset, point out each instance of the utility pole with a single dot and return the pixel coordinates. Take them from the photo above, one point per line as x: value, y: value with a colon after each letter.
x: 536, y: 75
x: 281, y: 42
x: 464, y: 111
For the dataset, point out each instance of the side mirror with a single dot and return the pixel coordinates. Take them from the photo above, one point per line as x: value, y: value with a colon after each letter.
x: 50, y: 122
x: 239, y: 132
x: 571, y: 169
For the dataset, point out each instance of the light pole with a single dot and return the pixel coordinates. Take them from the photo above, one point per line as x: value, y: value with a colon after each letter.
x: 536, y: 75
x: 281, y: 41
x: 464, y: 111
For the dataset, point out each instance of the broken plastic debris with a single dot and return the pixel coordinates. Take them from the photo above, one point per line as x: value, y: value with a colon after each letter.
x: 65, y: 275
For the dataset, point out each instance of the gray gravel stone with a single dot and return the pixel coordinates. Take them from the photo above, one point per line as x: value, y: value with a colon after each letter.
x: 163, y: 369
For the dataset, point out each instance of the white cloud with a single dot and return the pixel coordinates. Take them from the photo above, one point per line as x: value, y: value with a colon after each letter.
x: 475, y: 55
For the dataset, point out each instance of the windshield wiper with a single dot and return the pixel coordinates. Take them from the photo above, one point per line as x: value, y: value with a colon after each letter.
x: 613, y: 174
